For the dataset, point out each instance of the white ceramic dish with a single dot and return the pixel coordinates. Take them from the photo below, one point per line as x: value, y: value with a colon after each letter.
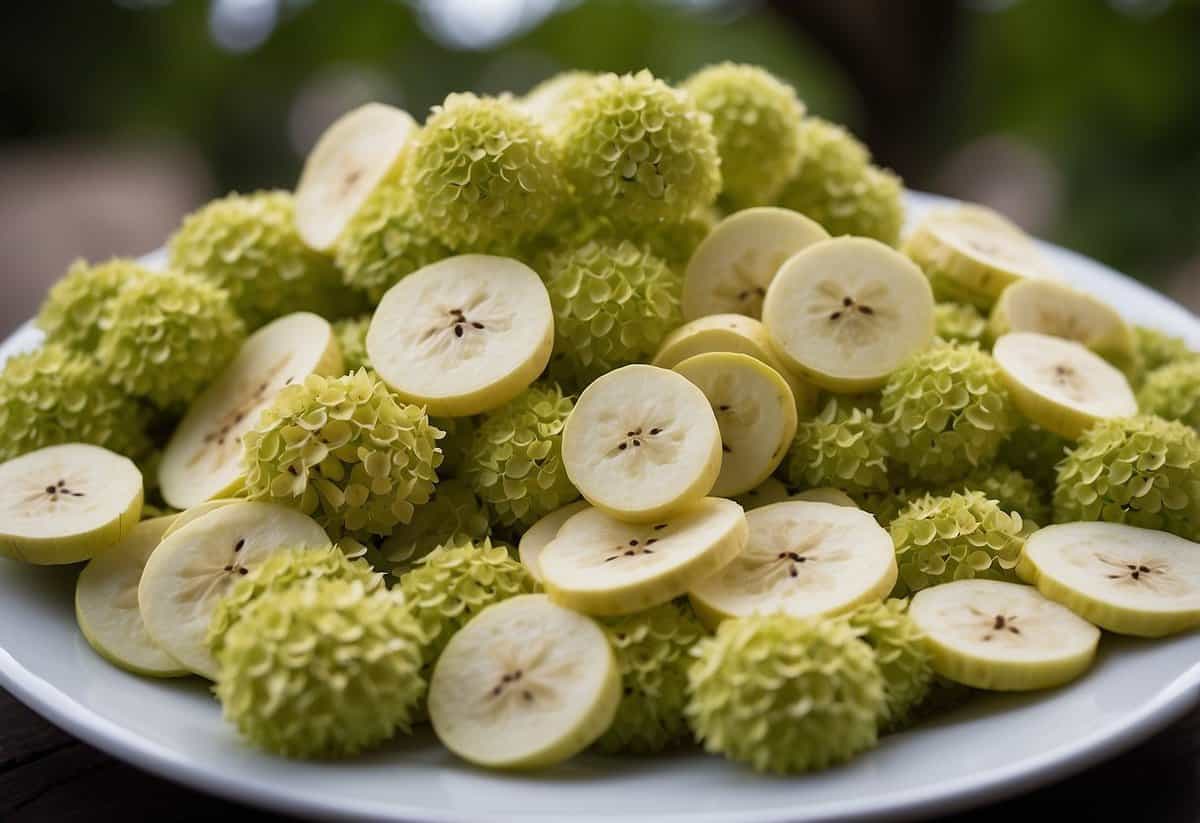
x: 998, y: 746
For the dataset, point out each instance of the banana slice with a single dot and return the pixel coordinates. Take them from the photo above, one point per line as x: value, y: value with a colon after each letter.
x: 203, y: 459
x: 733, y: 266
x: 540, y: 534
x: 106, y: 604
x: 1002, y: 636
x: 804, y: 559
x: 463, y: 335
x: 1060, y: 385
x: 844, y: 313
x: 524, y: 685
x: 192, y: 570
x: 769, y: 491
x: 825, y: 494
x: 641, y: 442
x: 67, y: 503
x: 606, y: 567
x: 1122, y: 578
x: 196, y: 512
x: 755, y: 412
x: 346, y: 164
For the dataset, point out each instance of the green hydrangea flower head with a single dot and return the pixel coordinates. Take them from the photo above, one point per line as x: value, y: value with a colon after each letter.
x: 345, y: 451
x: 756, y: 119
x: 167, y: 336
x: 483, y: 175
x: 1173, y: 392
x: 946, y: 411
x: 515, y: 461
x: 248, y: 245
x: 839, y: 188
x: 1156, y: 349
x: 902, y: 655
x: 550, y: 100
x: 283, y: 570
x: 844, y: 446
x: 460, y: 433
x: 959, y: 536
x: 653, y: 651
x: 324, y: 668
x: 351, y: 334
x: 638, y: 151
x: 1034, y: 452
x: 75, y: 306
x: 613, y: 305
x: 1144, y: 471
x: 457, y: 581
x: 453, y: 515
x: 887, y: 505
x: 960, y: 322
x: 673, y: 241
x: 676, y: 240
x: 785, y: 695
x: 1011, y: 489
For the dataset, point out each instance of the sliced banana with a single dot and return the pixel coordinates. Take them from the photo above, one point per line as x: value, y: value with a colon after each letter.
x: 346, y: 164
x: 1002, y: 636
x: 203, y: 459
x: 525, y: 684
x: 464, y: 335
x: 844, y: 313
x: 755, y: 412
x: 191, y: 571
x: 606, y: 567
x: 769, y: 491
x: 825, y: 494
x: 63, y: 504
x: 1122, y: 578
x: 1060, y: 385
x: 733, y: 266
x: 641, y: 442
x: 106, y: 604
x: 804, y: 559
x: 540, y: 534
x: 195, y: 513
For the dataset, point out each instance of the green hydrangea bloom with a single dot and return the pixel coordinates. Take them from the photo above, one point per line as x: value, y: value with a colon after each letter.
x: 482, y: 174
x: 1034, y: 452
x: 248, y: 245
x: 549, y: 101
x: 167, y: 336
x: 55, y: 395
x: 351, y: 334
x: 453, y: 515
x: 1144, y: 471
x: 673, y: 241
x: 839, y: 188
x: 955, y: 537
x: 946, y: 411
x: 1173, y: 392
x: 515, y: 461
x: 457, y: 581
x: 75, y: 306
x: 902, y: 655
x: 756, y: 119
x: 325, y: 668
x: 460, y: 433
x: 960, y: 322
x: 638, y: 151
x: 844, y: 446
x: 613, y: 305
x: 283, y: 570
x: 1011, y: 489
x: 1156, y: 349
x: 887, y: 505
x: 345, y: 451
x: 785, y: 695
x: 653, y: 651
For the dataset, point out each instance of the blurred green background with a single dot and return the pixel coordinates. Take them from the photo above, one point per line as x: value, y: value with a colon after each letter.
x: 1079, y: 118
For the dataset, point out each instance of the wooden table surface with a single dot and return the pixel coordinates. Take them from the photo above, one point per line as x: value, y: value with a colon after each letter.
x: 47, y: 775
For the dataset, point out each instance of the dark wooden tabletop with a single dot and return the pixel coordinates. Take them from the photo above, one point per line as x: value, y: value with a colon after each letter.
x: 47, y: 775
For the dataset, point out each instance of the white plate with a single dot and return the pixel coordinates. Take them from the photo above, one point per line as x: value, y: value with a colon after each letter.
x: 998, y: 746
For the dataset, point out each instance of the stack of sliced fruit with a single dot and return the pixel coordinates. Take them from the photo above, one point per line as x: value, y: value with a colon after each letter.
x: 613, y: 416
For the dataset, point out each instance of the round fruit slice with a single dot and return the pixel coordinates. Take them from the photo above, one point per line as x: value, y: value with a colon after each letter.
x: 1002, y: 636
x: 540, y: 534
x: 835, y: 497
x: 349, y: 160
x: 191, y: 571
x: 755, y: 412
x: 844, y: 313
x: 598, y: 565
x: 106, y: 604
x: 463, y: 335
x: 1059, y: 384
x: 524, y: 685
x: 804, y: 559
x: 203, y: 459
x: 1122, y: 578
x: 733, y: 266
x: 642, y: 441
x: 769, y: 491
x: 196, y: 512
x: 67, y: 503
